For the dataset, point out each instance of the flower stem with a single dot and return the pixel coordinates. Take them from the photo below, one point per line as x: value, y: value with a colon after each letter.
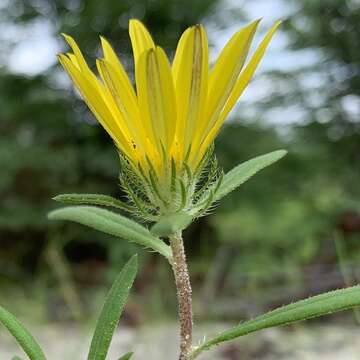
x: 183, y: 286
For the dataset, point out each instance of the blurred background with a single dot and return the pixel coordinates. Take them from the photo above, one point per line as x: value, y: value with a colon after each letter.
x: 291, y: 231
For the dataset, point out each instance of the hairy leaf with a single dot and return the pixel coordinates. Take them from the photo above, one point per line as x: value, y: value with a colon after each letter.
x: 315, y: 306
x: 23, y: 337
x: 92, y: 199
x: 111, y: 311
x: 113, y: 224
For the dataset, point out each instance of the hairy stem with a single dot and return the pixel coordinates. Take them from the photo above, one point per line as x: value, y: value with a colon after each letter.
x: 183, y: 286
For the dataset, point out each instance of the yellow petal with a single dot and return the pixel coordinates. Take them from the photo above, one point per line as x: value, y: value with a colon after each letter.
x: 157, y: 97
x: 93, y: 98
x: 226, y: 70
x: 125, y: 92
x: 141, y: 39
x: 168, y: 96
x: 249, y: 70
x: 124, y: 100
x: 77, y: 53
x: 73, y: 59
x: 180, y: 50
x: 78, y: 60
x: 111, y: 57
x: 190, y: 71
x: 239, y: 87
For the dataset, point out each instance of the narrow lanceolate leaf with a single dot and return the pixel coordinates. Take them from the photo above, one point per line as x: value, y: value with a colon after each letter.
x: 92, y: 199
x: 243, y: 172
x: 23, y: 337
x: 172, y: 223
x: 315, y: 306
x: 127, y: 356
x: 111, y: 311
x: 113, y: 224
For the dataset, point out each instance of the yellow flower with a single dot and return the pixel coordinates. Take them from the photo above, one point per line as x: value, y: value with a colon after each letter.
x: 165, y: 128
x: 177, y: 110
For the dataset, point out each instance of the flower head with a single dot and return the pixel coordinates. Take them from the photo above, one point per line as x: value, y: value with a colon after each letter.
x: 165, y: 128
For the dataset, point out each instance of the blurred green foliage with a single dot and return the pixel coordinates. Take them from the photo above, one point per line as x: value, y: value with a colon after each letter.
x: 50, y: 143
x: 281, y: 221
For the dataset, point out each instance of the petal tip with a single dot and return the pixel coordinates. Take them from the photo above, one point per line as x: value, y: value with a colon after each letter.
x: 135, y: 23
x: 67, y: 37
x: 278, y: 22
x: 61, y: 56
x: 104, y: 42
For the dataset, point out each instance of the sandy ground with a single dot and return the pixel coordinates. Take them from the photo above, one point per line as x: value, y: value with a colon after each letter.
x: 160, y: 343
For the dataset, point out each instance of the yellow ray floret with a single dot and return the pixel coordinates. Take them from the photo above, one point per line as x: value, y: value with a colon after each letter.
x: 177, y: 110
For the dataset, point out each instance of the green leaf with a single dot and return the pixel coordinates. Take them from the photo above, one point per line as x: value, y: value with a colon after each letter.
x: 315, y: 306
x: 92, y: 199
x: 172, y: 223
x: 16, y: 358
x: 243, y: 172
x: 127, y: 356
x: 111, y: 311
x: 23, y: 337
x: 113, y: 224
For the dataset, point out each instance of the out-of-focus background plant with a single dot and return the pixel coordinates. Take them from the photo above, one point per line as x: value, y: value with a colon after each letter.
x: 274, y: 237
